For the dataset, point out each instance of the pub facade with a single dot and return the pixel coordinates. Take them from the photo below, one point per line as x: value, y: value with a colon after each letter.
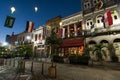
x: 72, y: 34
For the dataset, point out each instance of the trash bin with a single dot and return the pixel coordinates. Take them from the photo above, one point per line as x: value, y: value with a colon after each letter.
x: 52, y: 71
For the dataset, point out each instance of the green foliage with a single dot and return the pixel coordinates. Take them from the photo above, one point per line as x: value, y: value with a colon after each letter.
x: 87, y: 50
x: 24, y: 50
x: 73, y: 58
x: 114, y: 58
x: 2, y: 49
x: 83, y: 60
x: 53, y: 41
x: 98, y: 50
x: 78, y: 59
x: 111, y: 49
x: 57, y: 58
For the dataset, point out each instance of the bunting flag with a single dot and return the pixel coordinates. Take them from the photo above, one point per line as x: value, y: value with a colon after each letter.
x: 9, y: 21
x: 107, y: 19
x: 59, y: 32
x: 63, y: 32
x: 29, y: 26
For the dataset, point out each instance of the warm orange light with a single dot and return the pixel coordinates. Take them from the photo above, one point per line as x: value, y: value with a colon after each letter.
x: 80, y: 49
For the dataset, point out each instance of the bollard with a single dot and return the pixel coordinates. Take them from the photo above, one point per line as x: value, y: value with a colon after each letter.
x: 32, y: 67
x: 1, y: 62
x: 52, y: 71
x: 5, y: 61
x: 42, y: 72
x: 9, y: 62
x: 21, y: 66
x: 14, y: 62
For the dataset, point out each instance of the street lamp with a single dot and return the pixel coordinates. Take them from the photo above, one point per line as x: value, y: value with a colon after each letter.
x: 12, y: 10
x: 4, y: 44
x: 28, y: 38
x: 36, y: 9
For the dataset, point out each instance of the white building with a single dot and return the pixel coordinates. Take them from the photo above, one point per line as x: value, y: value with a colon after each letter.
x: 93, y: 12
x: 39, y: 41
x: 24, y: 38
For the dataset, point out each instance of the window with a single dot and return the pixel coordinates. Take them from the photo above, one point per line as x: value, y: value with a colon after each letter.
x: 115, y: 17
x: 87, y: 5
x: 90, y: 23
x: 71, y: 30
x: 40, y: 36
x: 35, y: 37
x: 98, y: 21
x: 79, y: 28
x: 95, y: 1
x: 87, y: 23
x: 101, y: 20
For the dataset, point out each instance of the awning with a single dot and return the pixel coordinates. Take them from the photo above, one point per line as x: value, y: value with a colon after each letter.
x: 72, y: 43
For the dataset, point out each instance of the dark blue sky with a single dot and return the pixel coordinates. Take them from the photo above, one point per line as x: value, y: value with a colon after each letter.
x: 25, y: 12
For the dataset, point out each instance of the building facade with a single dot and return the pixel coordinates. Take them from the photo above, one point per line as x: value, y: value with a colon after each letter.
x: 39, y: 42
x: 12, y: 38
x: 52, y: 24
x: 101, y: 20
x: 24, y: 38
x: 72, y: 34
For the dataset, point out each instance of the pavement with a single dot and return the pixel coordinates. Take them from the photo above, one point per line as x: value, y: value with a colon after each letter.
x: 7, y: 74
x: 110, y: 71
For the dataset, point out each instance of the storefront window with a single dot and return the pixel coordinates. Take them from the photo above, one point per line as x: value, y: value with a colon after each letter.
x: 74, y: 50
x: 80, y: 50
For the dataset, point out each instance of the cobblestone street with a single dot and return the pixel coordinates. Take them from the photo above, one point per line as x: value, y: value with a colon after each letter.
x: 64, y: 72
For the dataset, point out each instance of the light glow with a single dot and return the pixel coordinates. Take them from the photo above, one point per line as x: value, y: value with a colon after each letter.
x: 12, y: 10
x: 36, y: 9
x: 28, y: 37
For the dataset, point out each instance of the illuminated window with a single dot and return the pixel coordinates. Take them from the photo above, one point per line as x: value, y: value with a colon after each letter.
x: 80, y: 50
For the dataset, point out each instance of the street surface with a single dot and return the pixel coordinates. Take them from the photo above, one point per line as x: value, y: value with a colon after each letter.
x: 64, y: 72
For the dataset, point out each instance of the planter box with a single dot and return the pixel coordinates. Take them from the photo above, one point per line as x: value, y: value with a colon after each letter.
x: 52, y: 71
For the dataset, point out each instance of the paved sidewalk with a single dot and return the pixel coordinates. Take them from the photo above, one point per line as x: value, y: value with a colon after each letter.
x: 110, y: 71
x: 107, y: 65
x: 7, y: 74
x: 79, y: 72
